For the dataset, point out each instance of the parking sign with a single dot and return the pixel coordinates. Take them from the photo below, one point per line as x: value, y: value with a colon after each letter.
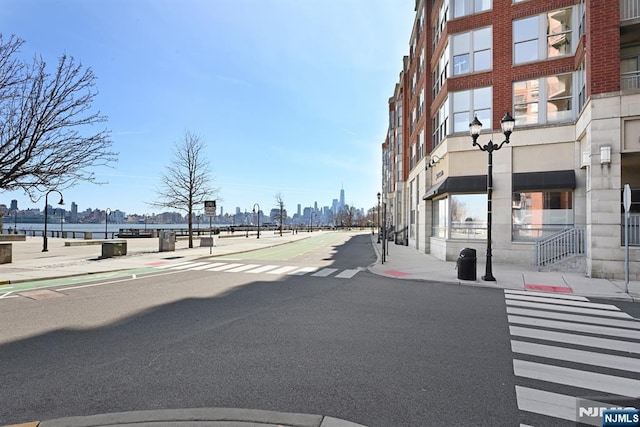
x: 210, y: 208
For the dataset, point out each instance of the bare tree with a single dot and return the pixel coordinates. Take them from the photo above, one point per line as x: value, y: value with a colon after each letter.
x: 47, y: 135
x: 347, y: 215
x: 280, y: 206
x: 187, y: 180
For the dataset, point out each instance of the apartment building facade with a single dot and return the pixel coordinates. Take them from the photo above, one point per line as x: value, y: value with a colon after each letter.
x: 568, y: 71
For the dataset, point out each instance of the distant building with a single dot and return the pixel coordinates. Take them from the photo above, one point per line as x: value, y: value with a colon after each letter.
x: 14, y: 205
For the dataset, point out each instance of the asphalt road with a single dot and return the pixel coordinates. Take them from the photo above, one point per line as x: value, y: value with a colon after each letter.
x: 372, y: 350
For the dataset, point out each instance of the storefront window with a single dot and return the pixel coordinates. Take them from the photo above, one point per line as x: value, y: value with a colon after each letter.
x: 440, y: 216
x: 540, y: 213
x: 468, y: 216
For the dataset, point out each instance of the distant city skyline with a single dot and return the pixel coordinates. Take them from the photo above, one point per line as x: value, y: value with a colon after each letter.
x: 284, y: 94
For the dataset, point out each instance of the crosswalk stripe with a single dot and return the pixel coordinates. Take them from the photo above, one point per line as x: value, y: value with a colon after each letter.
x: 302, y: 271
x: 583, y: 340
x: 174, y: 264
x: 242, y: 268
x: 608, y: 313
x: 546, y: 294
x: 347, y: 274
x: 224, y: 267
x: 208, y: 265
x: 630, y: 324
x: 576, y: 327
x: 325, y: 272
x: 563, y: 302
x: 578, y: 356
x: 190, y: 265
x: 262, y: 269
x: 282, y: 270
x: 577, y: 378
x: 546, y: 403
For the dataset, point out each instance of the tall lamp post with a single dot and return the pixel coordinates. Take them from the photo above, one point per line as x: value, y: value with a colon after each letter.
x: 15, y: 221
x: 46, y: 213
x: 107, y: 212
x: 379, y: 216
x: 254, y: 211
x: 507, y: 123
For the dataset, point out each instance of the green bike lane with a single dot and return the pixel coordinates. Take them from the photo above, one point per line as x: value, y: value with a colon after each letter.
x: 274, y: 253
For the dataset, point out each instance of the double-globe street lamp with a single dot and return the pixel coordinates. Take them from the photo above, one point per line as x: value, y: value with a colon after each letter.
x: 507, y: 123
x: 254, y: 211
x: 107, y: 212
x: 46, y: 214
x: 379, y: 216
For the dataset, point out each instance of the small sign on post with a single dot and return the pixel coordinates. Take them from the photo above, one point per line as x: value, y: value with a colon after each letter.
x: 210, y: 211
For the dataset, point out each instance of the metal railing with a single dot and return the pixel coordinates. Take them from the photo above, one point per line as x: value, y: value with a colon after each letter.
x: 629, y: 9
x: 630, y: 80
x: 560, y: 246
x: 634, y: 230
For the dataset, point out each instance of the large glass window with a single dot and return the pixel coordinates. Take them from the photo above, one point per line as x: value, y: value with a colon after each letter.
x: 539, y: 213
x: 468, y: 216
x: 472, y: 51
x: 440, y: 218
x: 468, y: 7
x: 470, y: 103
x: 441, y: 71
x: 539, y: 37
x: 441, y: 123
x: 545, y: 100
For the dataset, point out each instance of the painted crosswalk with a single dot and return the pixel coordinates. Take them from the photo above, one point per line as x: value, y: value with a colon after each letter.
x: 572, y: 357
x: 272, y: 269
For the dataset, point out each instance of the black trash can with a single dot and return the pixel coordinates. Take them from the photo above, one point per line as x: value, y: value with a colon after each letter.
x: 467, y: 264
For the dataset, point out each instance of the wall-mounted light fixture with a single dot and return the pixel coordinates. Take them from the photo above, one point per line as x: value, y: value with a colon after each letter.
x: 432, y: 162
x: 605, y: 155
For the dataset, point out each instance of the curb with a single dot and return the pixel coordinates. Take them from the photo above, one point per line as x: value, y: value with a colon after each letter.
x: 211, y: 416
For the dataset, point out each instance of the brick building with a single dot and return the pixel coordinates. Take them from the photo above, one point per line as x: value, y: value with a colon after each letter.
x: 568, y: 71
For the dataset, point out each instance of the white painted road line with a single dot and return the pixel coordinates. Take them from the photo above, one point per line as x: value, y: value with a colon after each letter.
x: 190, y: 265
x: 325, y: 272
x: 575, y: 327
x: 302, y: 271
x: 347, y: 274
x: 546, y: 403
x: 224, y: 267
x: 583, y: 340
x: 577, y: 378
x: 546, y: 294
x: 563, y: 302
x: 6, y: 295
x: 208, y: 265
x: 282, y: 270
x: 629, y: 324
x: 608, y: 313
x: 577, y: 356
x: 262, y: 269
x: 173, y: 265
x: 243, y: 268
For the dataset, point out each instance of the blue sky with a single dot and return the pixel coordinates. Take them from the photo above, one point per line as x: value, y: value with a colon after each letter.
x: 289, y: 95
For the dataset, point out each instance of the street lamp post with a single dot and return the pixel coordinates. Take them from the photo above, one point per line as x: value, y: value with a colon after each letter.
x: 379, y: 216
x: 107, y: 212
x: 254, y: 211
x: 507, y: 123
x: 46, y: 213
x: 15, y: 221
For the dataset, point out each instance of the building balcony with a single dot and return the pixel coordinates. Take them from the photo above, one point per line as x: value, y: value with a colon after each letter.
x: 629, y: 10
x: 630, y: 81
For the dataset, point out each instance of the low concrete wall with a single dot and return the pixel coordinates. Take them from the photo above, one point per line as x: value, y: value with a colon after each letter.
x: 5, y: 253
x: 13, y: 237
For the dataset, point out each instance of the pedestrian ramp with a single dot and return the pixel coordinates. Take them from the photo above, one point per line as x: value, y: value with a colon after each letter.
x: 572, y: 358
x: 270, y: 269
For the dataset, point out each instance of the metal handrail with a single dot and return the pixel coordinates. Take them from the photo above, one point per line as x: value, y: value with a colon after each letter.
x: 629, y: 9
x: 560, y: 246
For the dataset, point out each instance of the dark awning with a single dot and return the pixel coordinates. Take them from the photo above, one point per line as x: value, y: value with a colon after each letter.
x: 544, y: 180
x: 458, y: 184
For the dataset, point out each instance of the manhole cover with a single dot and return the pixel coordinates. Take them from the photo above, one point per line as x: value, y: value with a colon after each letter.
x: 41, y: 294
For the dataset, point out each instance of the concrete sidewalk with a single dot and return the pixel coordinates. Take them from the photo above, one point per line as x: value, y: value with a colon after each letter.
x: 404, y: 262
x: 207, y: 417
